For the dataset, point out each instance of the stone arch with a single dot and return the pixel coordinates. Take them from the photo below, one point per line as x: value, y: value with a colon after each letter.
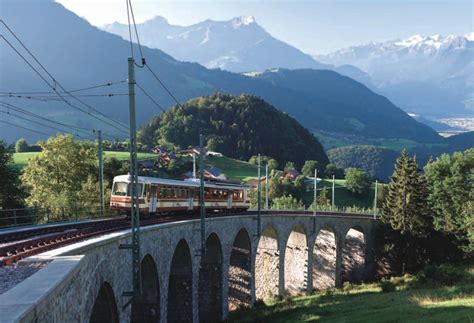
x: 147, y: 309
x: 105, y: 306
x: 267, y: 264
x: 210, y: 281
x: 324, y: 259
x: 353, y: 255
x: 296, y: 261
x: 240, y: 272
x: 180, y: 286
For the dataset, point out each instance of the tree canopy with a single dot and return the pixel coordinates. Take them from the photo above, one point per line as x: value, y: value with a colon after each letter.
x: 63, y: 174
x: 237, y: 126
x: 11, y: 193
x: 451, y: 195
x: 357, y: 181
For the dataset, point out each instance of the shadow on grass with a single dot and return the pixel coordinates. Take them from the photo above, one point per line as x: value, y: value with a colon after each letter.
x: 426, y: 304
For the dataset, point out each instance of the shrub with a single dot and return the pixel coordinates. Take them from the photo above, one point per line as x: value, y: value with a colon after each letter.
x: 387, y: 286
x: 442, y: 274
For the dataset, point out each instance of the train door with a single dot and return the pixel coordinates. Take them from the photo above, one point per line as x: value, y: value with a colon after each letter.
x: 152, y: 200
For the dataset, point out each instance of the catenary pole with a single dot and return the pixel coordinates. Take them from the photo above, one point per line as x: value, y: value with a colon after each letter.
x: 135, y: 294
x: 202, y: 206
x: 266, y: 186
x: 194, y: 164
x: 101, y: 174
x: 315, y: 202
x: 258, y: 199
x: 333, y: 187
x: 375, y: 200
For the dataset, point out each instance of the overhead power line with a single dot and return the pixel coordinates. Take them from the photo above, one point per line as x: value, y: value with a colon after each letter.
x: 130, y: 12
x: 25, y: 128
x: 55, y: 97
x: 71, y: 91
x: 163, y: 85
x: 26, y: 112
x: 56, y: 83
x: 150, y: 97
x: 42, y: 124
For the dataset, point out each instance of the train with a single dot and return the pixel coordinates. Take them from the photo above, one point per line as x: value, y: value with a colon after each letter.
x: 165, y: 196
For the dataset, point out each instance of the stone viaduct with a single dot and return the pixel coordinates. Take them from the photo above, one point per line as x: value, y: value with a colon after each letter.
x: 294, y: 254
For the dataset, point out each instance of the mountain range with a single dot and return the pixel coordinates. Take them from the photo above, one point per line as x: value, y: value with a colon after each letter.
x: 79, y: 55
x: 236, y: 45
x: 431, y: 76
x: 427, y: 75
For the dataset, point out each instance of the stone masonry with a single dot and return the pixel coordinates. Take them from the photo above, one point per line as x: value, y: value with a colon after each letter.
x: 240, y: 267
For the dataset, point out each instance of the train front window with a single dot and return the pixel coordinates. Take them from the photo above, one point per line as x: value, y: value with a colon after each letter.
x: 123, y: 189
x: 120, y: 189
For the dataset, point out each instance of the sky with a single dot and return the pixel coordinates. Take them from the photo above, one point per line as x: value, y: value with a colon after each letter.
x: 314, y: 26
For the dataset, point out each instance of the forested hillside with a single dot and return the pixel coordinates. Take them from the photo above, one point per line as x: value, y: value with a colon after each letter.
x: 375, y: 161
x: 237, y: 126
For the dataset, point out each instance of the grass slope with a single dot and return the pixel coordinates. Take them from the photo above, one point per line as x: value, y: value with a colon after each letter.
x: 233, y: 168
x: 342, y: 196
x: 367, y: 303
x: 21, y: 159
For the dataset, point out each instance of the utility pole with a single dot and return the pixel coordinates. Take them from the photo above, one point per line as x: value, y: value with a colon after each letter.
x: 333, y: 186
x: 194, y: 164
x: 101, y: 174
x: 375, y: 200
x: 135, y: 294
x: 315, y: 202
x: 258, y: 200
x: 202, y: 205
x: 266, y: 186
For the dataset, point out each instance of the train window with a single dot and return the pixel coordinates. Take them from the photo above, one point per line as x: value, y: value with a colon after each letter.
x: 146, y: 188
x: 124, y: 189
x: 120, y: 189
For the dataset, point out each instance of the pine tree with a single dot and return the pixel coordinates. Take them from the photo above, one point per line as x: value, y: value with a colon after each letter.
x: 406, y: 208
x: 323, y: 198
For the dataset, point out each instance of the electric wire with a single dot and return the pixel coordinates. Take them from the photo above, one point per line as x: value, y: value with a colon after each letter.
x: 54, y: 88
x: 42, y: 124
x: 130, y: 11
x: 56, y: 82
x: 55, y: 97
x: 163, y: 85
x: 23, y: 111
x: 72, y: 91
x: 15, y: 125
x: 150, y: 97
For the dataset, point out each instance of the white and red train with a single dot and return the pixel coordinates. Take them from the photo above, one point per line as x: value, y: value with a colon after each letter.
x: 160, y: 196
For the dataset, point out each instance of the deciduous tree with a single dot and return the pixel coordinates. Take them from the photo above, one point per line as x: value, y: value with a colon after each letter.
x: 63, y: 174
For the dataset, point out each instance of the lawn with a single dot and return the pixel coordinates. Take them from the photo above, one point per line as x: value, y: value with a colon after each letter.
x: 233, y: 168
x: 21, y: 159
x: 432, y: 302
x: 342, y: 196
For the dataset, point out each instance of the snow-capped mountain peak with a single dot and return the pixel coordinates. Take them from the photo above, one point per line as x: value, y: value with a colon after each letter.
x: 469, y: 36
x: 434, y: 42
x: 411, y: 41
x: 243, y: 21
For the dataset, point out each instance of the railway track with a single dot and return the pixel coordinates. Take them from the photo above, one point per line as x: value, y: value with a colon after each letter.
x: 15, y: 246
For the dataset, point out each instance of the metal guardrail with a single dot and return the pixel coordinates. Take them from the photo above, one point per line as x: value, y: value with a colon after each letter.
x: 36, y: 216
